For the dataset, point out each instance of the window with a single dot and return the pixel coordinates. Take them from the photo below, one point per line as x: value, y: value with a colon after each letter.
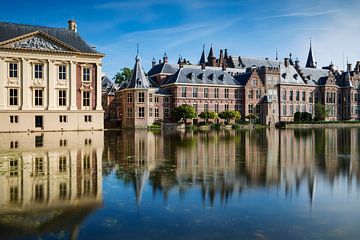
x: 39, y: 141
x: 310, y: 108
x: 150, y: 97
x: 62, y: 190
x: 195, y: 92
x: 257, y: 109
x: 62, y: 72
x: 63, y: 143
x: 226, y: 107
x: 87, y: 118
x: 298, y: 108
x: 195, y: 106
x: 216, y: 108
x: 86, y: 98
x: 291, y: 109
x: 226, y: 93
x: 206, y: 92
x: 258, y: 94
x: 156, y: 99
x: 14, y: 194
x: 254, y: 82
x: 156, y: 112
x: 38, y: 71
x: 291, y: 95
x: 14, y: 119
x: 14, y: 144
x: 39, y: 121
x: 311, y: 97
x: 13, y: 96
x: 206, y: 107
x: 251, y: 94
x: 39, y: 95
x: 14, y: 167
x: 183, y: 91
x: 284, y: 109
x: 216, y: 93
x: 129, y: 97
x: 39, y: 192
x: 141, y: 113
x: 304, y: 96
x: 297, y: 96
x: 166, y: 112
x: 250, y: 108
x: 62, y: 164
x: 129, y: 112
x: 86, y: 162
x: 39, y: 166
x: 284, y: 95
x: 63, y: 118
x: 166, y: 100
x: 150, y: 112
x: 141, y: 97
x: 86, y: 74
x: 304, y: 108
x: 13, y: 70
x: 62, y: 98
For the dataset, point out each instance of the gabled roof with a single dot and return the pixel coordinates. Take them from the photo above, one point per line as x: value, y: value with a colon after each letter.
x: 138, y: 78
x: 163, y: 68
x: 201, y: 76
x: 12, y: 30
x: 243, y: 78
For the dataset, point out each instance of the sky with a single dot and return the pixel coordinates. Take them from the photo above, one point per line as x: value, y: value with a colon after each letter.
x: 254, y: 28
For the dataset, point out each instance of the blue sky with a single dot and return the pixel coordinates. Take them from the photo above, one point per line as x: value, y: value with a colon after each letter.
x: 246, y: 27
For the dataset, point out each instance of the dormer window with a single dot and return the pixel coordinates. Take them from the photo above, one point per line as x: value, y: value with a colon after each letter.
x: 284, y: 75
x: 221, y: 77
x: 139, y: 82
x: 295, y: 76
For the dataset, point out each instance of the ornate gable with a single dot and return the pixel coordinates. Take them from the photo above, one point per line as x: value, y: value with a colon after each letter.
x: 37, y: 41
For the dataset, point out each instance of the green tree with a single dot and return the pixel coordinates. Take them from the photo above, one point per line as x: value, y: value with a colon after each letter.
x: 208, y: 115
x: 183, y: 112
x: 321, y: 112
x: 122, y: 76
x: 228, y: 115
x: 251, y: 117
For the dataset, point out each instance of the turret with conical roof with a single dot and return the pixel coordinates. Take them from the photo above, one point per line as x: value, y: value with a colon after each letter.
x: 310, y: 62
x: 202, y: 58
x: 138, y: 78
x: 211, y: 58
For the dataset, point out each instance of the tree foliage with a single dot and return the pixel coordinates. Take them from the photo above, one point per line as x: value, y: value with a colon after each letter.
x: 321, y: 112
x: 252, y: 117
x: 183, y: 112
x: 302, y: 117
x: 229, y: 115
x: 122, y: 76
x: 208, y: 115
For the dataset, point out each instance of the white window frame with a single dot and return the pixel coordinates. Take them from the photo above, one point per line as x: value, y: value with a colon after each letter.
x: 11, y: 70
x: 83, y: 74
x: 62, y: 98
x: 38, y: 73
x: 62, y: 72
x: 83, y: 99
x: 37, y: 98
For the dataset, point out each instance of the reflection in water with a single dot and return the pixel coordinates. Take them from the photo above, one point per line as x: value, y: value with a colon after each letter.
x: 226, y: 162
x: 49, y: 182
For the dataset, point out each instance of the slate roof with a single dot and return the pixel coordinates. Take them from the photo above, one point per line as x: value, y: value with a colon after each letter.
x: 199, y: 76
x: 290, y: 75
x: 138, y: 78
x: 310, y: 62
x: 248, y: 62
x: 13, y: 30
x: 164, y: 68
x: 106, y: 83
x: 243, y: 78
x: 315, y: 76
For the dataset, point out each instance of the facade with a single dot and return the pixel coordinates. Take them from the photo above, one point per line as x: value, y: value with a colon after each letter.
x: 50, y: 80
x: 272, y: 90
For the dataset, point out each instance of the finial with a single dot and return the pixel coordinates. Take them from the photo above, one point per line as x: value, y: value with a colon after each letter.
x: 203, y: 47
x: 277, y: 55
x: 137, y: 51
x: 310, y: 42
x: 290, y: 55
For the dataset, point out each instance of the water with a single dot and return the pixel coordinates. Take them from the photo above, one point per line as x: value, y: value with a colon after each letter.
x: 260, y: 184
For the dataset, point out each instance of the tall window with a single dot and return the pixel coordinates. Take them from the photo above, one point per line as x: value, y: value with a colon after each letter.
x: 297, y: 96
x: 166, y: 112
x: 311, y: 97
x: 39, y: 97
x: 291, y: 95
x: 195, y: 92
x: 251, y: 94
x: 39, y: 166
x: 62, y: 164
x: 216, y: 93
x: 254, y: 82
x: 183, y: 91
x: 13, y: 70
x: 226, y: 93
x: 226, y: 107
x: 141, y: 113
x: 62, y: 97
x: 166, y: 100
x: 206, y: 92
x: 86, y: 74
x: 216, y: 108
x: 129, y: 112
x: 195, y: 106
x: 150, y: 97
x: 129, y: 97
x: 284, y: 109
x: 86, y: 98
x: 258, y: 94
x: 62, y: 72
x: 38, y: 71
x: 284, y: 95
x: 13, y: 96
x: 150, y: 112
x: 206, y: 107
x: 156, y: 112
x: 304, y: 96
x: 141, y: 97
x: 250, y: 107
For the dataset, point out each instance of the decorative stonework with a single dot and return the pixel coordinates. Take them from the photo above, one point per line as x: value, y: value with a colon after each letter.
x: 61, y: 83
x: 38, y: 82
x: 13, y: 82
x: 37, y: 43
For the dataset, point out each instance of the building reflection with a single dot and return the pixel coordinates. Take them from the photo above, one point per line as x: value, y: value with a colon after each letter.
x: 49, y: 182
x: 222, y: 163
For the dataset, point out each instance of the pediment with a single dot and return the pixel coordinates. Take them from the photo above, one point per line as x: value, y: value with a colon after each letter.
x: 37, y: 41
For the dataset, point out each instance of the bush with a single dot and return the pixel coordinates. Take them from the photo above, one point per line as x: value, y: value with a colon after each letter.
x: 302, y: 117
x: 297, y: 117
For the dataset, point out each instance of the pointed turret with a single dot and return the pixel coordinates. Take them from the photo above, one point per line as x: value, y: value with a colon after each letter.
x: 202, y: 58
x: 310, y: 62
x: 211, y: 58
x: 138, y: 78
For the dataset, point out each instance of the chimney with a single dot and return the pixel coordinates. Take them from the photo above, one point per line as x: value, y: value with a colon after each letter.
x: 72, y: 25
x: 223, y: 67
x: 349, y: 67
x: 221, y: 58
x: 286, y: 62
x: 226, y: 54
x: 297, y: 63
x: 357, y: 68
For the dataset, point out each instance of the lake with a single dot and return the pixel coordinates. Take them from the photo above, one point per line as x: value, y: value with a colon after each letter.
x: 135, y: 184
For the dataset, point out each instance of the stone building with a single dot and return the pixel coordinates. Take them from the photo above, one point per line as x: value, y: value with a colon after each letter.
x: 50, y: 79
x: 272, y: 90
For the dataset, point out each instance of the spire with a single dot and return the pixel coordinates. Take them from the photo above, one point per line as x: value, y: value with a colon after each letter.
x: 211, y: 58
x: 180, y: 59
x: 277, y: 55
x: 310, y: 62
x: 211, y: 53
x: 138, y: 78
x: 202, y: 59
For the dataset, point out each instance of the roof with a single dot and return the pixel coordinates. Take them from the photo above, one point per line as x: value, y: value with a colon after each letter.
x: 248, y: 62
x: 12, y: 30
x: 243, y: 78
x: 290, y: 75
x: 310, y: 62
x: 164, y: 68
x: 106, y: 83
x: 138, y: 78
x: 315, y: 76
x: 201, y: 76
